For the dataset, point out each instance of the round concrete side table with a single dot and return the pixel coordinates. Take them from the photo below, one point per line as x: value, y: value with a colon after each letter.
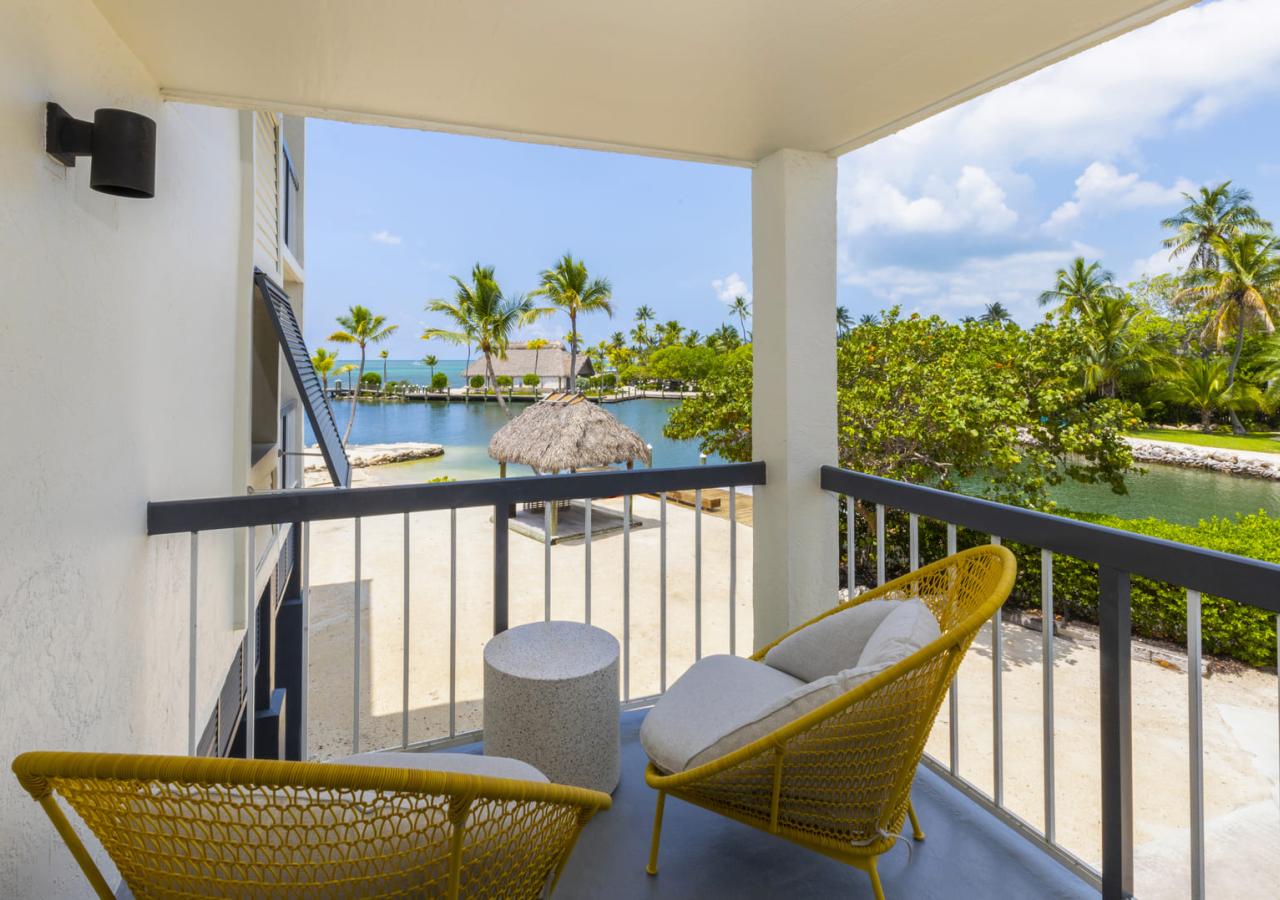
x: 551, y: 700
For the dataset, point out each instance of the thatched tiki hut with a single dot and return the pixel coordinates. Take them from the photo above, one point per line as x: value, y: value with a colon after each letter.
x: 566, y: 433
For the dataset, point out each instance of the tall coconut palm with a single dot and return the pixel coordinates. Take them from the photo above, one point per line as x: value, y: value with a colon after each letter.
x: 362, y: 328
x: 1241, y: 292
x: 325, y: 363
x: 644, y: 314
x: 383, y: 354
x: 844, y: 321
x: 1268, y: 363
x: 1112, y: 347
x: 1080, y: 287
x: 1213, y: 214
x: 483, y: 315
x: 692, y: 337
x: 1205, y: 386
x: 995, y: 312
x: 568, y: 287
x: 741, y: 307
x: 430, y: 362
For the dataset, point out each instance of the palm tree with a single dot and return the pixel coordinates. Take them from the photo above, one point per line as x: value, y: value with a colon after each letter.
x: 430, y: 362
x: 1111, y: 345
x: 995, y: 312
x: 644, y: 314
x: 482, y: 314
x: 567, y: 286
x: 384, y: 354
x: 362, y: 328
x: 326, y: 363
x: 844, y: 321
x: 1214, y: 214
x: 1268, y: 363
x: 640, y: 337
x: 724, y: 338
x: 868, y: 319
x: 692, y: 337
x: 1242, y: 291
x: 1080, y: 287
x: 669, y: 332
x: 1205, y: 386
x: 741, y: 307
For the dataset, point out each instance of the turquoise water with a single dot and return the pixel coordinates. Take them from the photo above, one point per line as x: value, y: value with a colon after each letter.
x: 412, y: 370
x: 1167, y: 492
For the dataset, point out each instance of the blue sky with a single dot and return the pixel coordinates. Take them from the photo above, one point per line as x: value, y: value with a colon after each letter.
x: 983, y: 202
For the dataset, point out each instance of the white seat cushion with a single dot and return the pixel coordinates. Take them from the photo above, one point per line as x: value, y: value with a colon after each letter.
x: 908, y: 627
x: 461, y: 763
x: 830, y: 645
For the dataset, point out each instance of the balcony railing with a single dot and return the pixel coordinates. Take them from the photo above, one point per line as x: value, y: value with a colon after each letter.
x: 1119, y: 556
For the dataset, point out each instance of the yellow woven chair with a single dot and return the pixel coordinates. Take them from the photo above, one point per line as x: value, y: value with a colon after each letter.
x: 190, y: 827
x: 838, y: 780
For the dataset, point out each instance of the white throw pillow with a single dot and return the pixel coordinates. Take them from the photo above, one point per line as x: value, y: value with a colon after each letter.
x: 830, y: 645
x: 908, y: 627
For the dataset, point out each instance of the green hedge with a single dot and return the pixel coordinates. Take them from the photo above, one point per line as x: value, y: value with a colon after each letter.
x: 1230, y: 629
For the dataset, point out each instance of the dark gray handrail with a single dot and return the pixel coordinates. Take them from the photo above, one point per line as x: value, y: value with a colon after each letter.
x: 314, y: 504
x: 1237, y: 578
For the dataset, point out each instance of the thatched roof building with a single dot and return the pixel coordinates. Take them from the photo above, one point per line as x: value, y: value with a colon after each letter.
x: 550, y: 362
x: 566, y: 431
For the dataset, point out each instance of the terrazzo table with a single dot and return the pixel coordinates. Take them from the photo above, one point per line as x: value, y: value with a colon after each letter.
x: 551, y: 700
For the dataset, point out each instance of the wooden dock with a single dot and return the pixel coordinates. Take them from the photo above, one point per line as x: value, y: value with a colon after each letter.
x: 715, y: 502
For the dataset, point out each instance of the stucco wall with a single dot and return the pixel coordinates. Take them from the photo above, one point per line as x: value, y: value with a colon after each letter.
x: 118, y: 347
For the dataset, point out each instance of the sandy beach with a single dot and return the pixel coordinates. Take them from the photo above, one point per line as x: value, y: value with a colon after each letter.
x: 1242, y: 750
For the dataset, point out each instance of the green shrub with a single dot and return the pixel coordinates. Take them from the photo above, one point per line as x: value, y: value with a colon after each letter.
x: 371, y: 379
x: 504, y: 381
x: 439, y: 381
x: 477, y: 381
x: 1230, y: 629
x: 531, y: 380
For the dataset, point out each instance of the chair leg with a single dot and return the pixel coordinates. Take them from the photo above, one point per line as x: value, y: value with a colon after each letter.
x: 652, y: 868
x: 915, y: 823
x: 875, y: 879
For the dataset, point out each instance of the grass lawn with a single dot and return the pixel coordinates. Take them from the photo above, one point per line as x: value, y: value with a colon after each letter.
x: 1261, y: 441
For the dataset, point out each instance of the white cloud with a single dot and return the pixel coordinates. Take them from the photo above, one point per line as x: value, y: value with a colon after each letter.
x: 730, y: 286
x: 972, y: 200
x: 1102, y: 187
x: 1157, y: 263
x: 386, y: 237
x: 1014, y: 279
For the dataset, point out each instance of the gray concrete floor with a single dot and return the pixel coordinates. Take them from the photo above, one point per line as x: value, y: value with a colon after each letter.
x: 966, y: 852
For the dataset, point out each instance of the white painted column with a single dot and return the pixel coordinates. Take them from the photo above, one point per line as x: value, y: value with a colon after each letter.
x: 793, y: 211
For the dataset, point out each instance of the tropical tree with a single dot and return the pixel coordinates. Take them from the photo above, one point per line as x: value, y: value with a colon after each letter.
x: 1213, y: 214
x: 844, y: 321
x: 568, y: 287
x: 1268, y: 363
x: 362, y: 328
x: 724, y: 338
x: 1113, y: 345
x: 644, y: 314
x: 431, y: 362
x: 383, y: 354
x: 868, y: 319
x: 1241, y: 292
x: 1080, y: 287
x: 439, y: 381
x: 1205, y: 386
x: 669, y: 333
x: 481, y: 314
x: 326, y: 363
x: 692, y: 337
x: 741, y: 307
x: 995, y: 312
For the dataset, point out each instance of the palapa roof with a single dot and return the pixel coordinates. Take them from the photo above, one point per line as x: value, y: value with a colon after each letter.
x: 566, y: 431
x: 549, y: 361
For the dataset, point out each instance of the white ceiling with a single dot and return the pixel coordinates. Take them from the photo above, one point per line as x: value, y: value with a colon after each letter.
x: 727, y: 81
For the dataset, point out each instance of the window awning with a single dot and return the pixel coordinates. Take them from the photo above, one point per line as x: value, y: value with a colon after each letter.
x: 319, y: 414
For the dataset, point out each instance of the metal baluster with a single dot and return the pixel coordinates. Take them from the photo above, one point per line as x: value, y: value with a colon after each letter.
x: 1115, y: 625
x: 879, y: 544
x: 404, y: 711
x: 733, y: 571
x: 626, y: 597
x: 1046, y: 682
x: 453, y: 622
x: 662, y: 590
x: 192, y: 637
x: 501, y: 569
x: 1195, y: 721
x: 997, y: 699
x: 954, y: 700
x: 851, y: 568
x: 546, y: 561
x: 306, y: 635
x: 355, y: 677
x: 913, y: 532
x: 586, y: 563
x: 697, y: 571
x: 251, y: 648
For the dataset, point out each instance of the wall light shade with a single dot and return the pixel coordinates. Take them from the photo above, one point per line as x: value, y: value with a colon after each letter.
x: 122, y: 146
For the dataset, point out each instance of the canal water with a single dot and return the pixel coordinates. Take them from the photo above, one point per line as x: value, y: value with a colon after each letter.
x: 1171, y: 493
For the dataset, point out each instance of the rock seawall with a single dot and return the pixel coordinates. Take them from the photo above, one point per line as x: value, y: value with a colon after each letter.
x: 362, y: 455
x: 1228, y: 462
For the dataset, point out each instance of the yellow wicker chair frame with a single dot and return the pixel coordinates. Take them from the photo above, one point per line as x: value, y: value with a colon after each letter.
x: 195, y: 827
x: 838, y: 780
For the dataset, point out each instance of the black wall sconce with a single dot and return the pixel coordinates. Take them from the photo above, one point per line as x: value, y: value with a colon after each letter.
x: 122, y: 145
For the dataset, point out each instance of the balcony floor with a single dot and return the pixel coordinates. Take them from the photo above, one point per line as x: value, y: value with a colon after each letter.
x: 967, y: 853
